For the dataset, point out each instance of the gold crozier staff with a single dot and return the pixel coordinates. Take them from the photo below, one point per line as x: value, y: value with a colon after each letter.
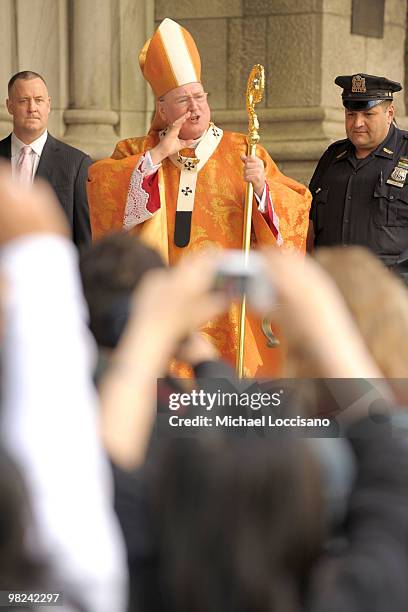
x: 254, y: 94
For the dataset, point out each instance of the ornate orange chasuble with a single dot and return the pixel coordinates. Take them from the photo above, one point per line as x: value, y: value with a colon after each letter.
x: 217, y: 221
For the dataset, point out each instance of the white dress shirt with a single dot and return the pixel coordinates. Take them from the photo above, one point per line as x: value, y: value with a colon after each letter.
x: 50, y: 424
x: 36, y: 146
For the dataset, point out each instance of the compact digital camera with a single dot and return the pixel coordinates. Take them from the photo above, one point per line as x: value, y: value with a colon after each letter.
x: 238, y: 275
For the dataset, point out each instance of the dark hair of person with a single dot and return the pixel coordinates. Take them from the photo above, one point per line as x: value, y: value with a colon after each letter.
x: 237, y: 525
x: 110, y: 271
x: 25, y: 75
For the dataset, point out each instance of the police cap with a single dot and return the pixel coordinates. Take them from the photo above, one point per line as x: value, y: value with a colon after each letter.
x: 363, y: 91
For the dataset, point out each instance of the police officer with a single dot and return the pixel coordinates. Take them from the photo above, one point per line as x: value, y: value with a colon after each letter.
x: 359, y: 188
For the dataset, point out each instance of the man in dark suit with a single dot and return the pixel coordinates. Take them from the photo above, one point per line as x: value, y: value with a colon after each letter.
x: 33, y: 152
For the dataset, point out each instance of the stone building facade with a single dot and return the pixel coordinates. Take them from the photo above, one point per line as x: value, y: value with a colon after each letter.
x: 87, y: 51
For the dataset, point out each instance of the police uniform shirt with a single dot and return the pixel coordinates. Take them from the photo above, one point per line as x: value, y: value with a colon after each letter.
x: 354, y: 204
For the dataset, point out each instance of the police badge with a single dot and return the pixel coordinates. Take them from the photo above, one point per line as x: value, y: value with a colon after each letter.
x: 358, y: 84
x: 399, y: 174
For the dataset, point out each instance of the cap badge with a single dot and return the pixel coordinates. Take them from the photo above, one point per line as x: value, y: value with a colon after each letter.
x: 358, y: 84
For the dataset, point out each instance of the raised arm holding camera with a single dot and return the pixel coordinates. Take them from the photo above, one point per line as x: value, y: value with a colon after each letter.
x: 49, y: 412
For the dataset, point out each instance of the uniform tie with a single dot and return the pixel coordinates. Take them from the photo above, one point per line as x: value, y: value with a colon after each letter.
x: 25, y: 166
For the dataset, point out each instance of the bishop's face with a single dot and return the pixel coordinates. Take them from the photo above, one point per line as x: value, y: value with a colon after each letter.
x: 178, y: 101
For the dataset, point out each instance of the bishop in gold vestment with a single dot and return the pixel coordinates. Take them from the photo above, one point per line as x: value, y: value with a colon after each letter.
x: 182, y: 187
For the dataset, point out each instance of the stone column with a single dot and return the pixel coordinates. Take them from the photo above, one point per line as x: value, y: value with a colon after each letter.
x: 109, y: 98
x: 90, y: 119
x: 135, y: 101
x: 41, y: 45
x: 7, y: 29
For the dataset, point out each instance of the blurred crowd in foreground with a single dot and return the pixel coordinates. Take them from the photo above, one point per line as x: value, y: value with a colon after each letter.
x: 92, y: 505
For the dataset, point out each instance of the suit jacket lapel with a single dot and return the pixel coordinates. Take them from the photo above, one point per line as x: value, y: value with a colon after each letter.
x: 46, y: 166
x: 5, y: 147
